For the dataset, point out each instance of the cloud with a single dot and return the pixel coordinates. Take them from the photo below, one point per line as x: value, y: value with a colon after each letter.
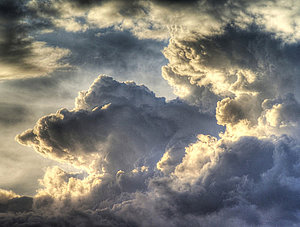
x: 11, y: 202
x: 141, y: 165
x: 278, y: 17
x: 11, y: 114
x: 224, y: 183
x: 162, y: 19
x: 24, y: 56
x: 7, y: 195
x: 73, y: 136
x: 21, y: 56
x: 143, y: 161
x: 119, y: 152
x: 41, y: 61
x: 238, y: 73
x: 145, y: 19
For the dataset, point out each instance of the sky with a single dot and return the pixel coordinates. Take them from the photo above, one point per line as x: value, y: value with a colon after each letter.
x: 149, y: 113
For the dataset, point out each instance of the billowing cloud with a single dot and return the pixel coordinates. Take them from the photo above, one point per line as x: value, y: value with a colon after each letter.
x: 137, y: 167
x: 145, y: 123
x: 224, y: 183
x: 140, y: 160
x: 245, y: 75
x: 116, y: 135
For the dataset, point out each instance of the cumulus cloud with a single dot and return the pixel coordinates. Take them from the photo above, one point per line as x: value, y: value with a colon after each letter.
x: 74, y: 137
x: 224, y: 183
x: 143, y: 161
x: 239, y: 73
x: 140, y: 164
x: 116, y: 135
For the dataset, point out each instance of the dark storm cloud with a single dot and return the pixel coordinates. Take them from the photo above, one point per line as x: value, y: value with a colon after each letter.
x: 251, y: 179
x: 101, y: 218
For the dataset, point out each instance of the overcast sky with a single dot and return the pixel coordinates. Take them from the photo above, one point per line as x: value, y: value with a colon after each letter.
x: 149, y: 113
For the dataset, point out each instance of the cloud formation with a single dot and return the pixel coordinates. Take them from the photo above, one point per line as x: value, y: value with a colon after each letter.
x: 24, y: 56
x: 145, y: 123
x: 21, y: 55
x: 245, y: 75
x: 143, y: 161
x: 136, y: 170
x: 116, y: 134
x: 160, y: 19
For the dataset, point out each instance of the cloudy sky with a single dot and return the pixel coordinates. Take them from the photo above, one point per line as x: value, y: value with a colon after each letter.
x: 150, y: 113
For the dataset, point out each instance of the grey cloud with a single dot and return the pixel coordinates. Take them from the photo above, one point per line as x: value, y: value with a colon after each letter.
x: 14, y: 48
x: 109, y: 49
x: 178, y: 2
x: 250, y: 49
x: 159, y: 19
x: 133, y: 143
x: 232, y: 111
x: 116, y: 53
x: 130, y: 136
x: 248, y: 182
x: 242, y: 67
x: 216, y: 182
x: 56, y: 86
x: 11, y: 114
x: 145, y: 124
x: 21, y: 204
x: 202, y: 97
x: 19, y: 51
x: 75, y: 218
